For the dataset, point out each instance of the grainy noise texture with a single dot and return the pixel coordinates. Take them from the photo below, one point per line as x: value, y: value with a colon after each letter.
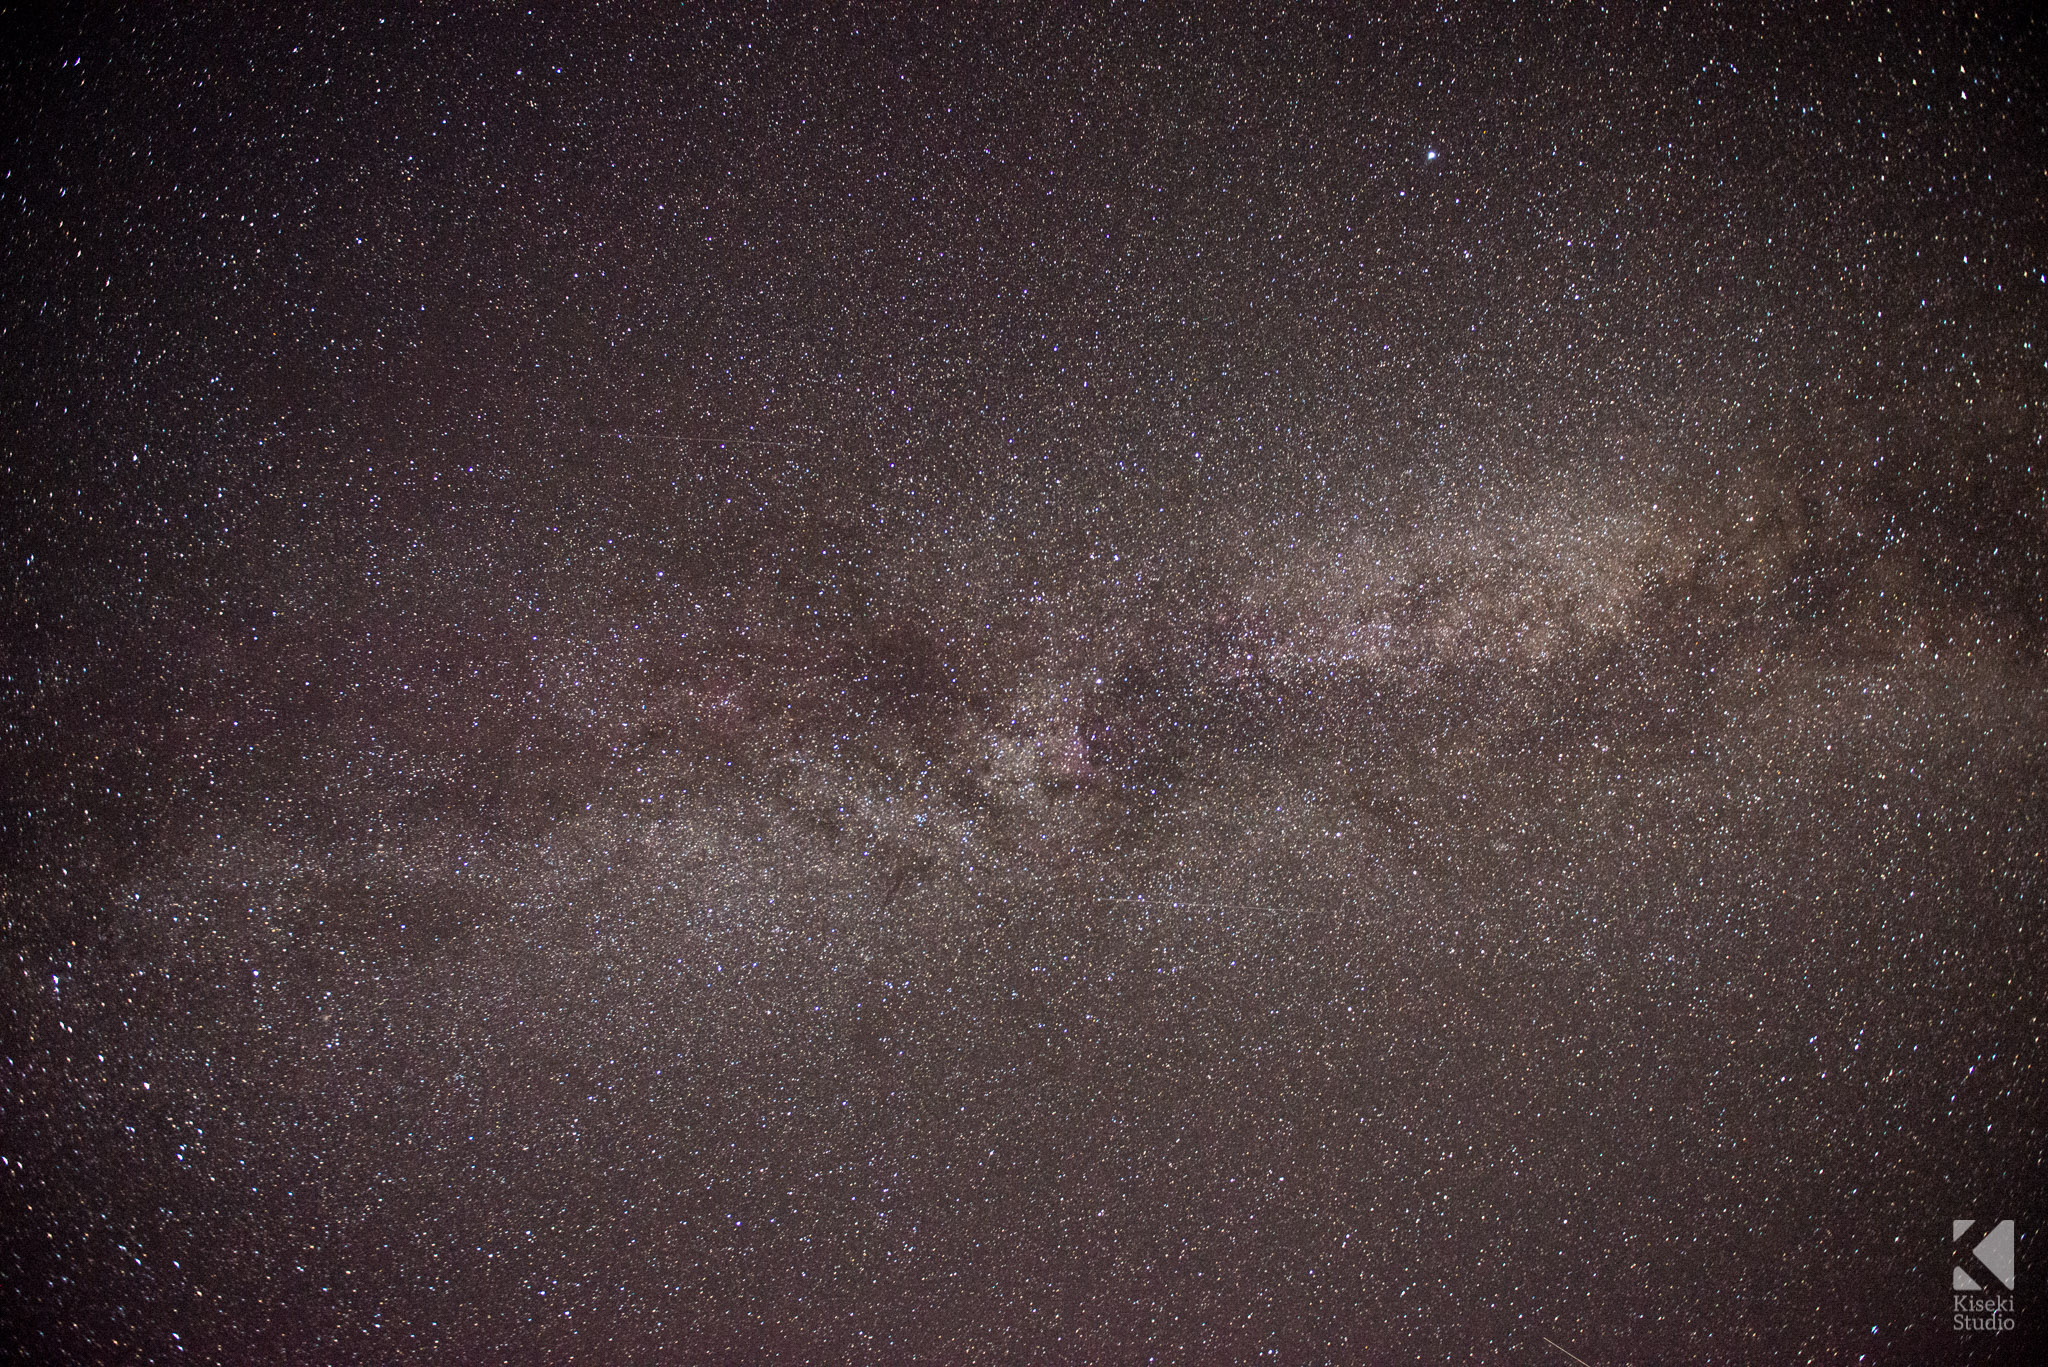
x: 1063, y: 684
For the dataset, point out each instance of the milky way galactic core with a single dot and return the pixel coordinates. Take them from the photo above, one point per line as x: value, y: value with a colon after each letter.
x: 1102, y: 685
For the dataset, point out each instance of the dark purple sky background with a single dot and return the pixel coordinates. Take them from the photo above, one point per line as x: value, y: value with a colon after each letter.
x: 1024, y: 685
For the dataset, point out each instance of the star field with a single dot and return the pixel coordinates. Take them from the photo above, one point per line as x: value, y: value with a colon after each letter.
x: 1054, y: 684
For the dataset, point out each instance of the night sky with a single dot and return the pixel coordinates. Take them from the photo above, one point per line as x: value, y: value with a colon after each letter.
x: 1039, y: 683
